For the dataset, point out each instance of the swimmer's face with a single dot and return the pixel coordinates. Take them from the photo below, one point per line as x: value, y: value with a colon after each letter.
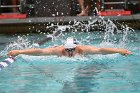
x: 70, y: 51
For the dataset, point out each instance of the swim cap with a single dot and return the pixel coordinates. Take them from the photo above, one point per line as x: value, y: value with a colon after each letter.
x: 70, y: 43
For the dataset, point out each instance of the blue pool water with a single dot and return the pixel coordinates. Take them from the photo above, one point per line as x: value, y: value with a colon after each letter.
x: 87, y: 74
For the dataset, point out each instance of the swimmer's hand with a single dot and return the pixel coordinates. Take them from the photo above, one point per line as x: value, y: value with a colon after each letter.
x: 13, y: 53
x: 125, y: 52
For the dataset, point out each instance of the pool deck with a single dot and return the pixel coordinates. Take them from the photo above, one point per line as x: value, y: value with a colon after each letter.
x: 25, y: 25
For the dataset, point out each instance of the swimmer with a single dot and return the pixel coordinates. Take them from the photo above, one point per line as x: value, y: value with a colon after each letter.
x: 69, y: 49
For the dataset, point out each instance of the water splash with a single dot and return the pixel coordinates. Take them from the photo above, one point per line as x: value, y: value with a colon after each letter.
x: 19, y: 44
x: 111, y: 33
x: 111, y: 36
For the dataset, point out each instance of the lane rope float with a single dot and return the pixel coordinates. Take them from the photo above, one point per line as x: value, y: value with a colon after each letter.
x: 6, y: 62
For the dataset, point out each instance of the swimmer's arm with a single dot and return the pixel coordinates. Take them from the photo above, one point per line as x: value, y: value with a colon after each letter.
x: 113, y: 50
x: 95, y: 50
x: 33, y: 51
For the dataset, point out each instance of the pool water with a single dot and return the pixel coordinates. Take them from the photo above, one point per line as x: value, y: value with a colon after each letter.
x: 112, y: 73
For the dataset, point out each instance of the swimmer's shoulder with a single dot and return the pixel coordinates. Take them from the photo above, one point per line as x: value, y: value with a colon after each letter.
x: 57, y: 47
x: 83, y: 47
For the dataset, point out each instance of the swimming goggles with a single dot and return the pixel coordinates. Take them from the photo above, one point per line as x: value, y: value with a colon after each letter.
x: 70, y: 49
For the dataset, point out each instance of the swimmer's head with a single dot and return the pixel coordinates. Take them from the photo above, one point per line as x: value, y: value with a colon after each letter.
x: 70, y: 43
